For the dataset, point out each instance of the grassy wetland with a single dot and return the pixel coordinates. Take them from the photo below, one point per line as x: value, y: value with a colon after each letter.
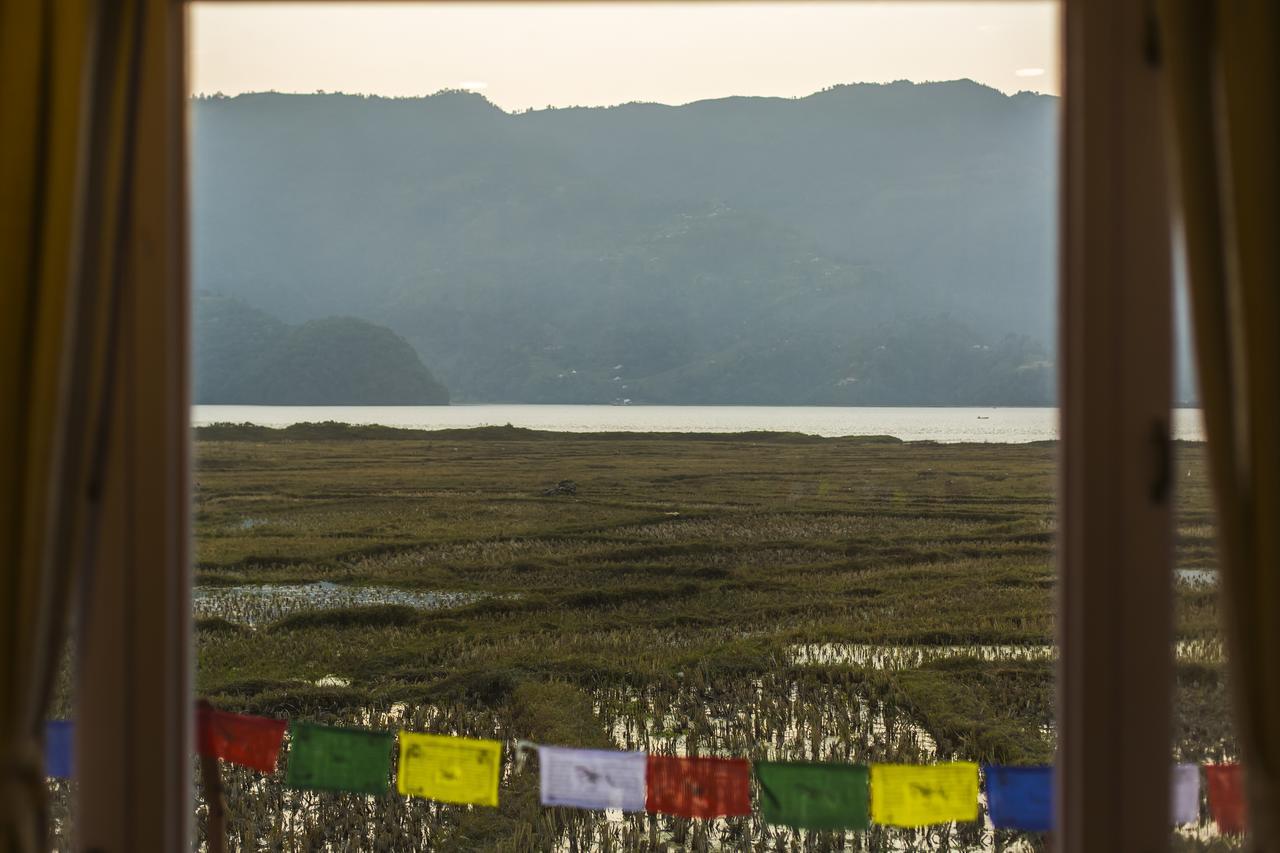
x: 761, y: 595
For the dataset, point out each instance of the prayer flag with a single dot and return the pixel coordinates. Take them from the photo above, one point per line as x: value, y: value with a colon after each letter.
x: 1226, y: 797
x: 1184, y: 800
x: 812, y: 795
x: 905, y: 795
x: 698, y: 787
x: 1020, y: 797
x: 58, y: 735
x: 449, y: 769
x: 238, y: 739
x: 334, y: 759
x: 592, y: 778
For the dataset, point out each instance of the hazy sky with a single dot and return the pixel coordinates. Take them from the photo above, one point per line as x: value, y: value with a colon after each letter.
x: 535, y: 54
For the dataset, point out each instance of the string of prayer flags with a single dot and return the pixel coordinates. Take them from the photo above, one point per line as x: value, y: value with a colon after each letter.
x: 1020, y: 797
x: 1226, y: 797
x: 449, y: 769
x: 334, y: 759
x: 238, y: 739
x: 1184, y: 796
x: 698, y: 787
x: 807, y: 795
x: 800, y: 795
x: 907, y: 795
x: 592, y: 778
x: 58, y: 737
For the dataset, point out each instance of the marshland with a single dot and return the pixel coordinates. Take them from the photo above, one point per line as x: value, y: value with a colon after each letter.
x: 765, y: 595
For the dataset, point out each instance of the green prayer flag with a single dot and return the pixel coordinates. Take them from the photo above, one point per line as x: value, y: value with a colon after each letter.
x: 812, y: 795
x: 333, y: 759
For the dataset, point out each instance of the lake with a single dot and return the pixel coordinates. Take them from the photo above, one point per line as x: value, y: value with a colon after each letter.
x: 1000, y: 425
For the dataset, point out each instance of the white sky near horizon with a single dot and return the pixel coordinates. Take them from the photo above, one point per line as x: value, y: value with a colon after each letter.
x: 522, y: 55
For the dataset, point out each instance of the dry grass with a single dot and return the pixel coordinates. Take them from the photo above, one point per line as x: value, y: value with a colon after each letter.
x: 659, y: 608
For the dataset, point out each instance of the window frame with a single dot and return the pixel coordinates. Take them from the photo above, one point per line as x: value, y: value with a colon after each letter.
x: 1114, y: 553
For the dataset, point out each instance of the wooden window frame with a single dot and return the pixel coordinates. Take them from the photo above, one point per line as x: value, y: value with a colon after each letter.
x: 1114, y: 542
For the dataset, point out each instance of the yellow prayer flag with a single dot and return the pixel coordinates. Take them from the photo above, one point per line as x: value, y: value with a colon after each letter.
x: 449, y: 769
x: 907, y: 795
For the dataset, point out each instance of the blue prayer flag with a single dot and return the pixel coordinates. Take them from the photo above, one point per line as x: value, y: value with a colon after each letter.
x: 57, y: 749
x: 1020, y: 797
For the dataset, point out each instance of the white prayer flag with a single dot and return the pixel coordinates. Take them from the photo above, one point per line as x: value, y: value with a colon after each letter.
x: 1185, y: 794
x: 592, y: 778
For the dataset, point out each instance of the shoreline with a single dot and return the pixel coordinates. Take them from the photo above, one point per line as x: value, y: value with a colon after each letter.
x: 340, y: 431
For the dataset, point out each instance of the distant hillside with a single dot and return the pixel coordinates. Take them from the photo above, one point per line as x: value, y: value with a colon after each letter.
x: 864, y: 245
x: 246, y: 356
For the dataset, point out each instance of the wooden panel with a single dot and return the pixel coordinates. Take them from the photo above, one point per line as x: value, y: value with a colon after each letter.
x: 1115, y: 578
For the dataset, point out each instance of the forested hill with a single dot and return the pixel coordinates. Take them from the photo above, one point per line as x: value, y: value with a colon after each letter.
x: 868, y: 244
x: 246, y: 356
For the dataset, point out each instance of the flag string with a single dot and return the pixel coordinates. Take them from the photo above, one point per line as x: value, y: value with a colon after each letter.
x: 798, y: 794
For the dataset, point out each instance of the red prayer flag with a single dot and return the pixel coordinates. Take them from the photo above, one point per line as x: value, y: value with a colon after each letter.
x: 698, y: 787
x: 1226, y: 797
x: 247, y: 741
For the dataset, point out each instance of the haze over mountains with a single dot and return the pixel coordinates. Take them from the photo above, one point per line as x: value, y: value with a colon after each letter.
x: 868, y: 244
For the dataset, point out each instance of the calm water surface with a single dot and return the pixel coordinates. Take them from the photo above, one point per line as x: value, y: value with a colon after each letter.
x: 1009, y: 426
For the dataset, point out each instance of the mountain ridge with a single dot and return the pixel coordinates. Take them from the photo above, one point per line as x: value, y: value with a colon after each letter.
x: 525, y: 254
x: 246, y: 356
